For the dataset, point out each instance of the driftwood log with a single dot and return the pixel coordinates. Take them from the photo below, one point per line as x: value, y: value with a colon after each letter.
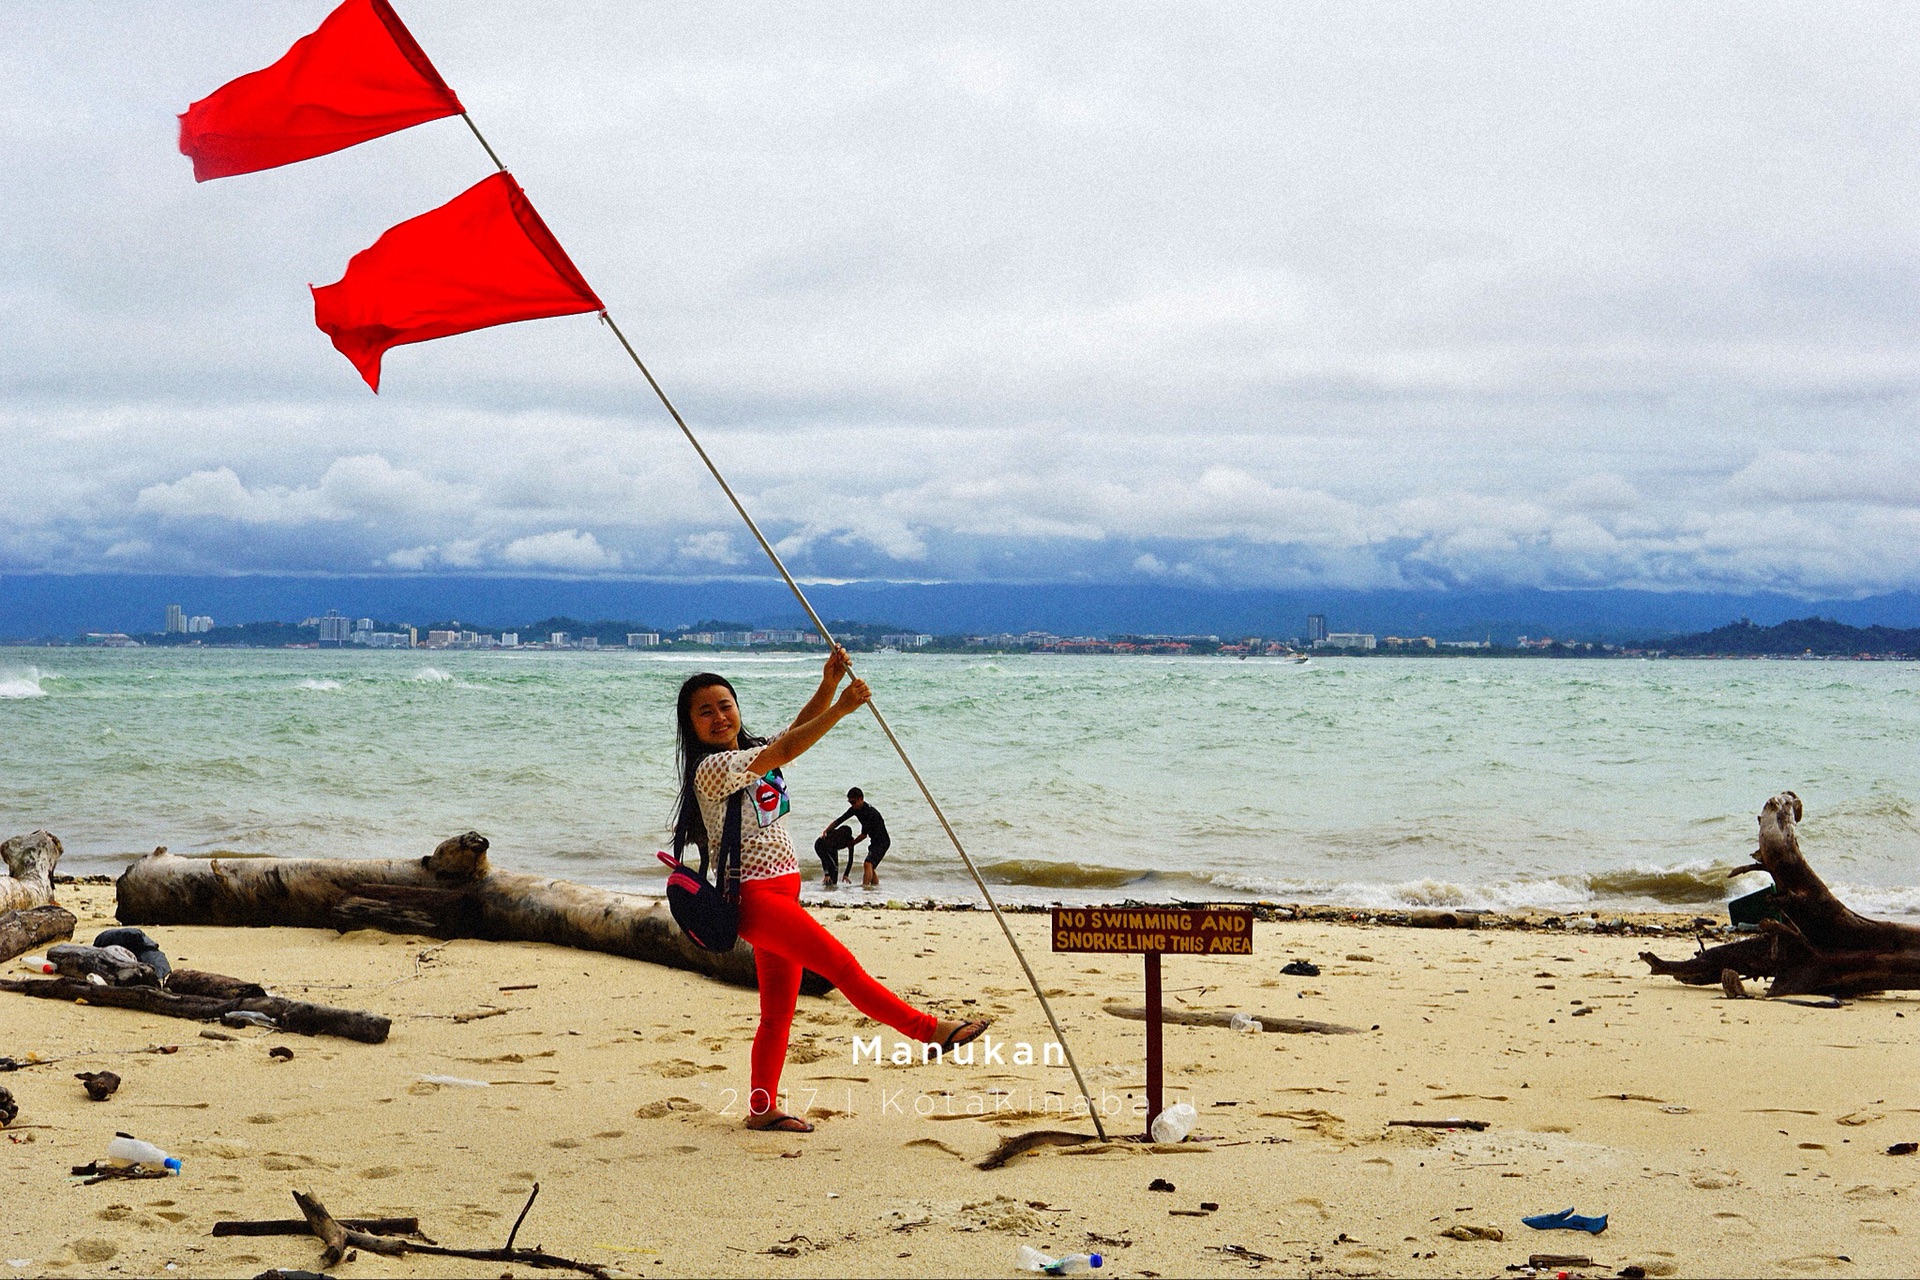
x: 290, y: 1015
x: 26, y: 870
x: 1822, y: 947
x: 452, y: 893
x: 22, y: 931
x: 1196, y: 1018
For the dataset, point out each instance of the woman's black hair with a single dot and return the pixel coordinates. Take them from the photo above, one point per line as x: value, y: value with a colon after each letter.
x: 689, y: 828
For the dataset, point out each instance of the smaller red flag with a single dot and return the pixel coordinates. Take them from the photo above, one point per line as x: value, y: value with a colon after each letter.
x: 482, y: 258
x: 358, y: 76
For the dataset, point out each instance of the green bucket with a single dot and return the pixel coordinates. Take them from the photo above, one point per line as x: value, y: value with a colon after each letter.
x: 1753, y: 908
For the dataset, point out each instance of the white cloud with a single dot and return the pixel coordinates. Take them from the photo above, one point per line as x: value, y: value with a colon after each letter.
x: 568, y: 550
x: 1276, y: 295
x: 713, y: 547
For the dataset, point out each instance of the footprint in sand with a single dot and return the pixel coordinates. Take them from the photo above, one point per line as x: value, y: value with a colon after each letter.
x: 173, y: 1215
x: 381, y: 1171
x: 1878, y: 1227
x: 566, y: 1144
x: 1377, y: 1164
x: 1315, y: 1207
x: 1735, y: 1224
x: 1867, y: 1191
x: 675, y: 1069
x: 1713, y: 1181
x: 263, y: 1117
x: 1815, y: 1263
x: 934, y: 1144
x: 281, y: 1162
x: 115, y: 1213
x: 684, y: 1149
x: 611, y: 1134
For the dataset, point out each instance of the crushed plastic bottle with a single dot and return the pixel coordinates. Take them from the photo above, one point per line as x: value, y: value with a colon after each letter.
x: 126, y: 1151
x: 1074, y: 1264
x: 37, y: 964
x: 1246, y: 1022
x: 1175, y: 1123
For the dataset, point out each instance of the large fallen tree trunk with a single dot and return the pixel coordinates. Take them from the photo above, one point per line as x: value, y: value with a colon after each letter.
x: 452, y: 893
x: 1822, y: 947
x: 22, y: 931
x: 27, y: 880
x: 288, y: 1015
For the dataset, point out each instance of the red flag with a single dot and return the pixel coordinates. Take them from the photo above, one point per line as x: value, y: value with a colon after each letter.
x: 360, y: 75
x: 481, y: 259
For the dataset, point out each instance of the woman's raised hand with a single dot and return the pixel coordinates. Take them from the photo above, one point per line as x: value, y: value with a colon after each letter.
x: 838, y: 664
x: 854, y: 696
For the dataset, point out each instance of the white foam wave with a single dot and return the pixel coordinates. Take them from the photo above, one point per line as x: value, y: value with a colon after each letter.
x: 430, y: 675
x: 23, y: 684
x: 311, y: 683
x: 1879, y: 901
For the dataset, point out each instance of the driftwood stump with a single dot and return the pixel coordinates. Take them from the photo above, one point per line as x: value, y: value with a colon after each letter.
x: 1822, y: 947
x: 27, y: 880
x: 452, y: 893
x: 22, y: 931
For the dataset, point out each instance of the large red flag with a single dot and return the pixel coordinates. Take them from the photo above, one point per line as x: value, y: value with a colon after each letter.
x: 358, y: 76
x: 481, y: 259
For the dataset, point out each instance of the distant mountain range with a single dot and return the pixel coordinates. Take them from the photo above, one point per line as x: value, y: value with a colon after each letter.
x: 1822, y: 637
x: 50, y: 605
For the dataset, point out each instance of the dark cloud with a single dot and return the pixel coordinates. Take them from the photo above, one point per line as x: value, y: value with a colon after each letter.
x: 1241, y: 294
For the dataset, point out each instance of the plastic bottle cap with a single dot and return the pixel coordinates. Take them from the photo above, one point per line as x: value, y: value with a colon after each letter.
x: 1095, y: 1260
x: 172, y: 1164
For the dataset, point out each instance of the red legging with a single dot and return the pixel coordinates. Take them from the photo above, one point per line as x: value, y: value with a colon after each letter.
x: 786, y: 940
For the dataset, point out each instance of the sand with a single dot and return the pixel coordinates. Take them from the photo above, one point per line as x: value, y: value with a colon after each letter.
x: 1721, y: 1137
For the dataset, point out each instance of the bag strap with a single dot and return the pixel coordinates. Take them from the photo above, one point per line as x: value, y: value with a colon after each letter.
x: 727, y: 872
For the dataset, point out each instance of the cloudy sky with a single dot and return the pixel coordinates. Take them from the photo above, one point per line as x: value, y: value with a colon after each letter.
x: 1251, y: 295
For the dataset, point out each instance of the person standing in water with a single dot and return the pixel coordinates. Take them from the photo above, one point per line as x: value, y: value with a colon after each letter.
x: 873, y: 829
x: 725, y: 771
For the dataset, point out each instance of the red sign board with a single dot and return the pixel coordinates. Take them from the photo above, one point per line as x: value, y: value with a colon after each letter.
x: 1174, y: 931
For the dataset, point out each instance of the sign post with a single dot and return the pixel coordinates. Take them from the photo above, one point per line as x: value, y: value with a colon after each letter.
x: 1153, y: 932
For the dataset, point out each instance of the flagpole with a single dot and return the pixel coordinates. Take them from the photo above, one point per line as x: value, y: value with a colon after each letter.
x: 899, y: 748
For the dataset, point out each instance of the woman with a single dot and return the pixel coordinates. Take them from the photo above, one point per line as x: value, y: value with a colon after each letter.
x: 746, y: 839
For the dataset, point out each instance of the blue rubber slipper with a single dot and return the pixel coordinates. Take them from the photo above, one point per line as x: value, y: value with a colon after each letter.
x: 1566, y: 1220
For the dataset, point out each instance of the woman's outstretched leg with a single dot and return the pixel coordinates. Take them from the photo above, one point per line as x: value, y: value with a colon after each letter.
x: 772, y: 919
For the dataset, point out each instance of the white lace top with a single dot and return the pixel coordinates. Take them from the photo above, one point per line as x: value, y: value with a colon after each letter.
x: 766, y: 851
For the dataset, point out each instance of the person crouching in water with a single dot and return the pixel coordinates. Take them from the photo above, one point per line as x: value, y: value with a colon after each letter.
x: 719, y: 761
x: 873, y: 829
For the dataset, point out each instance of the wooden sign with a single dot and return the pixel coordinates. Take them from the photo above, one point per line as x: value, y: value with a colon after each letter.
x: 1153, y: 932
x: 1177, y: 931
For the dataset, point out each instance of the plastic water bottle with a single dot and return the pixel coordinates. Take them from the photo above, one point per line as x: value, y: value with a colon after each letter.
x: 1245, y: 1022
x: 125, y: 1151
x: 37, y: 964
x: 1074, y: 1264
x: 1175, y: 1123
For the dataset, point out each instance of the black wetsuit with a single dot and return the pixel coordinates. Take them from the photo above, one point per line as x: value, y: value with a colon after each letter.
x: 828, y: 848
x: 873, y: 827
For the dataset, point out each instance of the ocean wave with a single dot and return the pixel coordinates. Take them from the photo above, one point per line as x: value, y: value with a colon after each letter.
x: 311, y: 683
x: 23, y: 684
x: 430, y: 675
x: 1060, y: 875
x: 1691, y: 885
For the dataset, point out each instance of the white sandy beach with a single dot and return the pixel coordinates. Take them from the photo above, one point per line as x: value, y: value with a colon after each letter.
x: 1721, y: 1137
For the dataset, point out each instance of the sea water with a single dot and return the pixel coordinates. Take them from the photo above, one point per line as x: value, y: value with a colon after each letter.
x: 1562, y: 784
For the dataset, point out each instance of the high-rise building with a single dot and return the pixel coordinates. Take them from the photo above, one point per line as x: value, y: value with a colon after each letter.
x: 176, y: 620
x: 643, y: 639
x: 334, y: 628
x: 1316, y: 628
x: 198, y: 624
